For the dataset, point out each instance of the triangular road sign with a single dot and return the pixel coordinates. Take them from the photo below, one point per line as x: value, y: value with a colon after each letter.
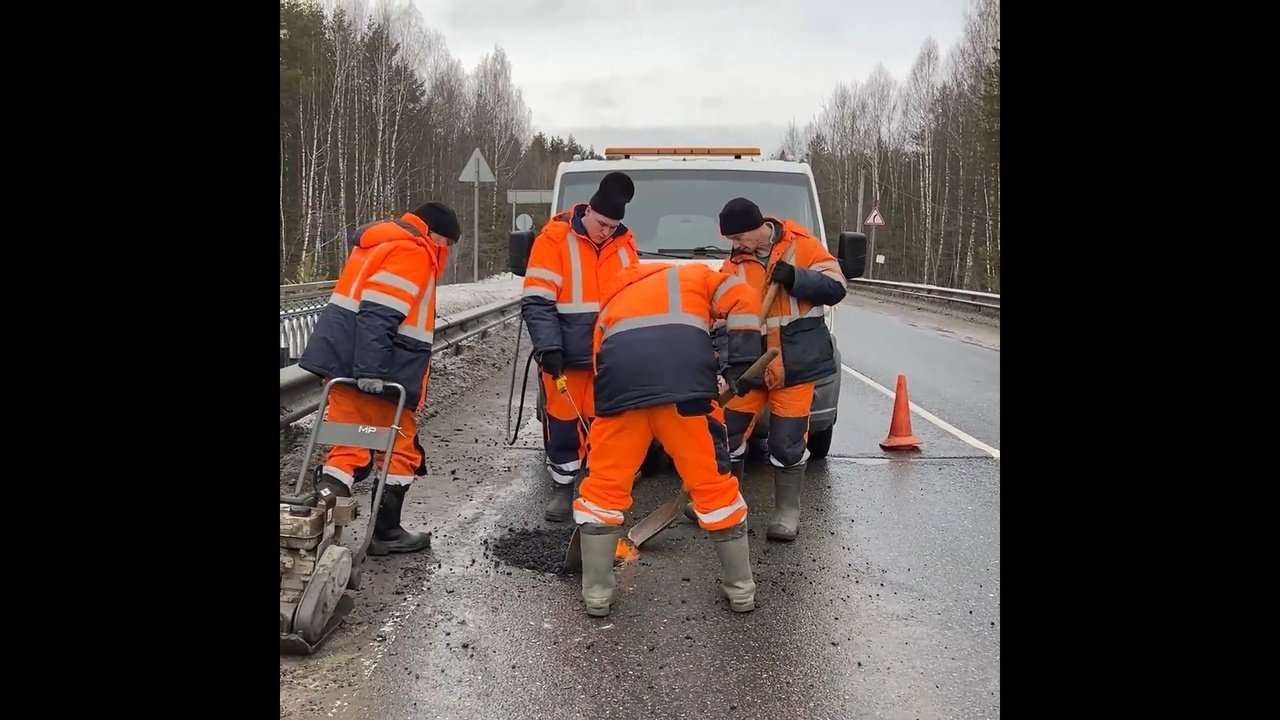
x: 469, y: 170
x: 874, y: 218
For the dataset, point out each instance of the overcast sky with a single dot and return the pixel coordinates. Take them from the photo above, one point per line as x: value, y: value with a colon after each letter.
x: 692, y: 71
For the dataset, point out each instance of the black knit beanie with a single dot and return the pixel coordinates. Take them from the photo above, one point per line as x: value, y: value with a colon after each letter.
x: 440, y: 218
x: 611, y: 198
x: 739, y: 215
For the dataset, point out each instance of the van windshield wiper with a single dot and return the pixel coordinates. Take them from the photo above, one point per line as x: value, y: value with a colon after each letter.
x: 650, y: 253
x: 701, y: 250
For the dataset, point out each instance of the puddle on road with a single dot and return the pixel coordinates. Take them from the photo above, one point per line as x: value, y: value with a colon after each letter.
x: 540, y: 548
x: 861, y: 460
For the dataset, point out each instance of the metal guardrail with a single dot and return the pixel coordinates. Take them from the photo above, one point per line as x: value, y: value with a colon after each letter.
x: 971, y: 298
x: 298, y: 316
x: 323, y: 286
x: 300, y: 390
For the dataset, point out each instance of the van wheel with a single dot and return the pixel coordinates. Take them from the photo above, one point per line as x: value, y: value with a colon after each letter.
x: 820, y: 443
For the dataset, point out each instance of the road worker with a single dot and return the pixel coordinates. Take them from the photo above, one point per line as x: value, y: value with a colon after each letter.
x: 378, y: 328
x: 656, y: 377
x: 771, y: 250
x: 577, y: 252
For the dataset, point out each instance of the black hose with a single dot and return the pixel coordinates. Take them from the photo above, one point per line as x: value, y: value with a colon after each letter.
x: 523, y: 386
x: 511, y: 393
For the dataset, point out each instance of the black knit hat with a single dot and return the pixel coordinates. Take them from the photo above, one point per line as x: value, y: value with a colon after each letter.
x: 739, y: 215
x: 440, y: 218
x: 611, y: 198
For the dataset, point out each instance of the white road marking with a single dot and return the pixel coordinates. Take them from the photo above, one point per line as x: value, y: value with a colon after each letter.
x: 406, y: 606
x: 962, y: 435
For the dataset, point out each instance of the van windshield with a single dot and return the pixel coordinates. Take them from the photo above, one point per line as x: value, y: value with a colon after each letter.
x: 678, y: 210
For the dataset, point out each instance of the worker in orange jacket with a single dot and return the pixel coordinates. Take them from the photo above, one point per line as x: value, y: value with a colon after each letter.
x: 577, y: 252
x: 769, y: 250
x: 378, y: 328
x: 656, y: 376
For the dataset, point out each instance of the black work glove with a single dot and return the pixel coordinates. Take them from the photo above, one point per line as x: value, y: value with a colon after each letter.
x: 784, y: 273
x: 373, y: 386
x: 733, y: 376
x: 552, y: 363
x: 746, y: 385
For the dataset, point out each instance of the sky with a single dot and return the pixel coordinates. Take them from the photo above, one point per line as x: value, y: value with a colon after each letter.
x: 727, y: 72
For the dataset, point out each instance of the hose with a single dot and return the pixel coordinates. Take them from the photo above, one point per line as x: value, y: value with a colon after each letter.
x: 511, y: 393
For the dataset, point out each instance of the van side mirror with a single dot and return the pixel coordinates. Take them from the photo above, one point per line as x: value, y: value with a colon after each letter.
x: 518, y: 247
x: 852, y: 254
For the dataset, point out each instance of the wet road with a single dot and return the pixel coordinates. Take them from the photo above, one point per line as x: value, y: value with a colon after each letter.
x: 952, y: 366
x: 886, y: 606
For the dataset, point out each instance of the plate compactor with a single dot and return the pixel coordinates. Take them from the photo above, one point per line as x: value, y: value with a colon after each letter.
x: 316, y: 568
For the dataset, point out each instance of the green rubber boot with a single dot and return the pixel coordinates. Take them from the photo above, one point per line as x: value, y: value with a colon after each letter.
x: 599, y: 541
x: 736, y: 581
x: 786, y: 503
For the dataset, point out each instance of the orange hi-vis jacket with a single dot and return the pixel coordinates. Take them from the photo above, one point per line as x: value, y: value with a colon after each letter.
x: 381, y: 318
x: 562, y: 284
x: 794, y: 324
x: 652, y: 342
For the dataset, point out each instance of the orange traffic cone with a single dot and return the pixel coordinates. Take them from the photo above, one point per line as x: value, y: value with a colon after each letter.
x: 900, y: 436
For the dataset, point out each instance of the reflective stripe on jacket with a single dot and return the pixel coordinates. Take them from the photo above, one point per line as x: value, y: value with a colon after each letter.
x: 794, y: 322
x: 381, y: 318
x: 562, y: 284
x: 652, y: 341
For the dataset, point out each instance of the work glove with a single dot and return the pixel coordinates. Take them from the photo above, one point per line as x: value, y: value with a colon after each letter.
x: 552, y: 362
x: 373, y: 386
x: 784, y: 273
x: 733, y: 376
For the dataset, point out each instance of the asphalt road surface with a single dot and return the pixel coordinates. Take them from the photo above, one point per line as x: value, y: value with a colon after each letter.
x: 886, y: 606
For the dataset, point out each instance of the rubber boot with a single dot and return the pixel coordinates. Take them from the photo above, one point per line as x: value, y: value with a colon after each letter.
x: 786, y: 503
x: 388, y: 536
x: 736, y: 581
x: 599, y: 541
x: 560, y: 507
x: 736, y: 469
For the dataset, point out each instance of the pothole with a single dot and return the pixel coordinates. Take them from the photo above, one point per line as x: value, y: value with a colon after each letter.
x: 540, y: 549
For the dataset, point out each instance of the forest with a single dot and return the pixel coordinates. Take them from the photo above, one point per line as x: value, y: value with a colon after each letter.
x: 376, y: 116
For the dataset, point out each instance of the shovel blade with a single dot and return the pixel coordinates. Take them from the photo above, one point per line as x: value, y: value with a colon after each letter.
x: 573, y: 556
x: 658, y: 520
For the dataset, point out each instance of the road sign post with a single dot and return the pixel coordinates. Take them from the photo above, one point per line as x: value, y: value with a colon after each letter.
x: 875, y: 220
x: 476, y: 171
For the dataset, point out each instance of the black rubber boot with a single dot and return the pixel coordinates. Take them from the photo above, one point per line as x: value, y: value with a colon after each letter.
x: 560, y: 508
x: 736, y: 468
x: 388, y: 536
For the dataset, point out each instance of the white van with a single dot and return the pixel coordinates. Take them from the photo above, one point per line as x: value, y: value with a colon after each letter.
x: 674, y: 216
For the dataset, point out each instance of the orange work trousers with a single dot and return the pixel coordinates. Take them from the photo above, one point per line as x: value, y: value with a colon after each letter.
x: 788, y: 422
x: 562, y: 435
x: 697, y: 443
x: 347, y: 404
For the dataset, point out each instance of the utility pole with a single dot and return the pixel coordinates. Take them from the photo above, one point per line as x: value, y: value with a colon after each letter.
x: 861, y: 173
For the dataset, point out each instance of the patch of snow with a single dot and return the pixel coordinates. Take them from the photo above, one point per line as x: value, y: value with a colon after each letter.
x: 464, y: 296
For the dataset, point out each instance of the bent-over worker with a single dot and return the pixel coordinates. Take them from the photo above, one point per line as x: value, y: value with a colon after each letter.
x: 656, y: 376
